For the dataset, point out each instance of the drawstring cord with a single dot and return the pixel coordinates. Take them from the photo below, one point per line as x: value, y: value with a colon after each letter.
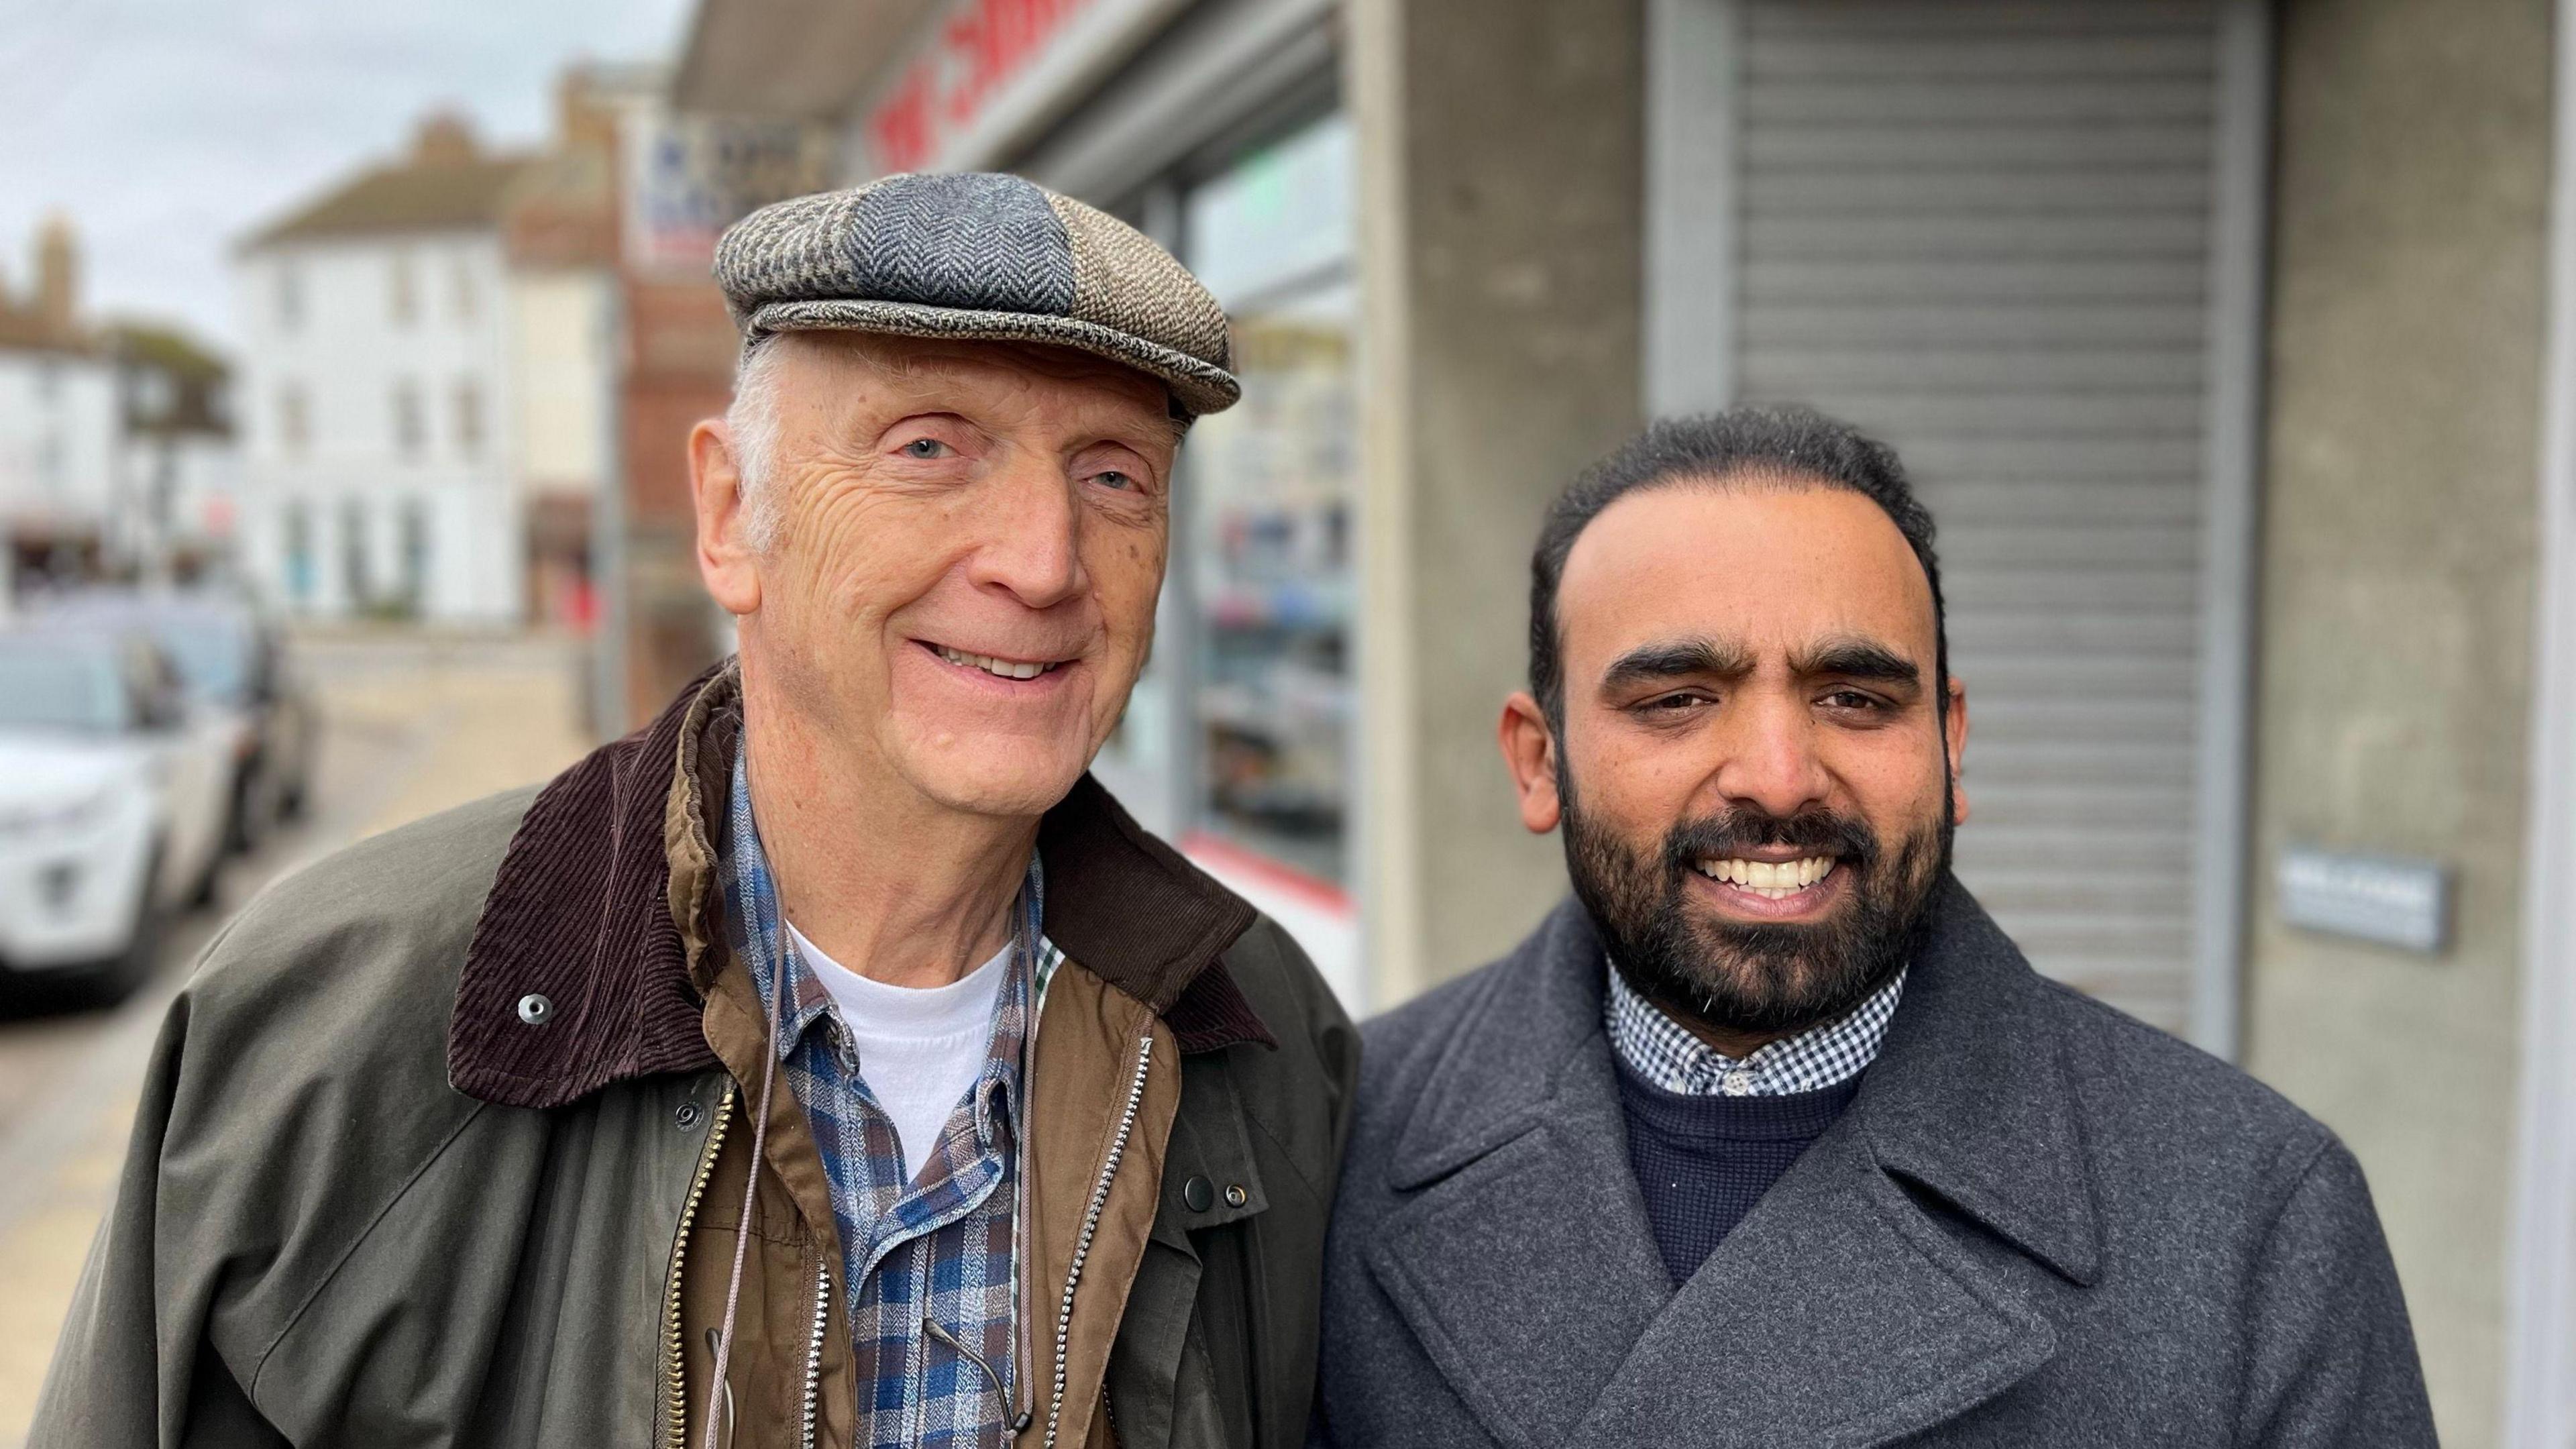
x: 1024, y: 954
x: 750, y: 1195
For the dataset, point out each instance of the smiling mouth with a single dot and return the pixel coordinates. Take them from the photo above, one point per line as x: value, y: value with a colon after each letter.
x: 996, y: 666
x: 1771, y: 880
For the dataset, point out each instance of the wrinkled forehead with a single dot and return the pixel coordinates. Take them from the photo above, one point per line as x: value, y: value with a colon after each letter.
x: 1770, y: 567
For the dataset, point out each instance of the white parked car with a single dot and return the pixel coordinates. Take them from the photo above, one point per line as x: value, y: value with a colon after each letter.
x: 113, y: 797
x: 237, y: 676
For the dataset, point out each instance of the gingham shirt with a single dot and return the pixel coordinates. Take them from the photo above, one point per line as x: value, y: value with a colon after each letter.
x: 1664, y: 1052
x: 936, y: 1247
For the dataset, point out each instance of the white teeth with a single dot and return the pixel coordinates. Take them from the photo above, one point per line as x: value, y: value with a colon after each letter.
x: 1774, y: 880
x: 1005, y: 668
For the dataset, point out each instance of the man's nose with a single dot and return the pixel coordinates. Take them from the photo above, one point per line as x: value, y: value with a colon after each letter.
x: 1032, y: 535
x: 1771, y: 762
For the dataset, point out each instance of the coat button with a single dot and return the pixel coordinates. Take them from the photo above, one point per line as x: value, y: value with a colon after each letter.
x: 1235, y: 1196
x: 1199, y: 1194
x: 535, y: 1009
x: 686, y: 1117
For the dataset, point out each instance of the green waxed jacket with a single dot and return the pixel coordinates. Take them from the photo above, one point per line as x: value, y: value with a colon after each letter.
x: 366, y: 1206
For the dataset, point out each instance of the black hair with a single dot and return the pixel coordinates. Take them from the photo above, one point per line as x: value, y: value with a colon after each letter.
x: 1796, y: 443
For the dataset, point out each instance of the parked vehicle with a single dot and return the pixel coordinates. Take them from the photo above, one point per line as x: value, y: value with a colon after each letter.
x: 112, y: 804
x: 236, y: 668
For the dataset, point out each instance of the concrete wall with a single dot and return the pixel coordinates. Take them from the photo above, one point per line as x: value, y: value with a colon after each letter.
x: 1502, y: 191
x: 2395, y: 675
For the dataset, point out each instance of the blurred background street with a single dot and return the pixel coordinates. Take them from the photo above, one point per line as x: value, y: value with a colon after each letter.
x: 411, y: 724
x: 347, y: 351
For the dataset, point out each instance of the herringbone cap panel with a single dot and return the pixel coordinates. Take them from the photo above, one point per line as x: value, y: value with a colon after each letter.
x: 978, y: 256
x: 1122, y: 280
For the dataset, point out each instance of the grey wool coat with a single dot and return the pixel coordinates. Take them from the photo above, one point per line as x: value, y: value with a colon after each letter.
x: 2039, y: 1223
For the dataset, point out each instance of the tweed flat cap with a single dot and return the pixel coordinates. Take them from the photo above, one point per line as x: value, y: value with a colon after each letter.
x: 981, y: 256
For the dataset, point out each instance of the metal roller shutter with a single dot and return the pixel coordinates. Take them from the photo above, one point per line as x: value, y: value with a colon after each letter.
x: 1983, y: 231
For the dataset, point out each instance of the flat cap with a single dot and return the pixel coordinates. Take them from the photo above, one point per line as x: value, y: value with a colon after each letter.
x: 979, y: 256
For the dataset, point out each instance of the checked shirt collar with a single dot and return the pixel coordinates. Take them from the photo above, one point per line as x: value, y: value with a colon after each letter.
x: 937, y: 1247
x: 1664, y: 1052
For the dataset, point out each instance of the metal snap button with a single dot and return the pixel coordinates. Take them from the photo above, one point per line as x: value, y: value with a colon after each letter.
x: 1199, y: 1194
x: 1235, y: 1196
x: 535, y: 1009
x: 686, y: 1117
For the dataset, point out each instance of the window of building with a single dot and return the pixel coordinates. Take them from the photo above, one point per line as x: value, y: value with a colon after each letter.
x: 294, y: 422
x: 402, y: 290
x: 415, y: 554
x: 466, y: 297
x: 1267, y: 530
x: 355, y: 577
x: 469, y: 419
x: 411, y: 430
x: 290, y: 296
x: 296, y: 545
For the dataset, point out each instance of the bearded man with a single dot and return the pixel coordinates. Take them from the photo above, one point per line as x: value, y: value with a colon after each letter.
x: 832, y: 1062
x: 1770, y: 1136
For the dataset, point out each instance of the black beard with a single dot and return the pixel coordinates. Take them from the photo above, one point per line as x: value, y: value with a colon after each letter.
x: 1773, y: 979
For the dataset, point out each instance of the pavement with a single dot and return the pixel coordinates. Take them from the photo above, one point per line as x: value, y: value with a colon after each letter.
x: 412, y: 724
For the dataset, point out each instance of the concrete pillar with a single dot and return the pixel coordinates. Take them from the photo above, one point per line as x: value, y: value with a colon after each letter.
x: 1501, y: 197
x: 2395, y: 675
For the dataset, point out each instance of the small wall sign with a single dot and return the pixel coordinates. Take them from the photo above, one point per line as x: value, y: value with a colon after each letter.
x: 2386, y: 899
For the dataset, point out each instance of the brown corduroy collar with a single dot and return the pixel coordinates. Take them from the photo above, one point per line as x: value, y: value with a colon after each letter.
x: 580, y: 918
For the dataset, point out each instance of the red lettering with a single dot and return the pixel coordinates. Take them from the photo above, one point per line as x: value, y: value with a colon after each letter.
x: 900, y: 131
x: 978, y: 51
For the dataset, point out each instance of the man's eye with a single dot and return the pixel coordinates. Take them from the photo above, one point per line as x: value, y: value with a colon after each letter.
x: 925, y: 448
x: 1112, y: 478
x: 1849, y: 699
x: 1675, y: 703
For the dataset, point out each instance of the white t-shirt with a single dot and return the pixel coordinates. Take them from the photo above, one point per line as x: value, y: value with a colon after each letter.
x: 919, y: 1048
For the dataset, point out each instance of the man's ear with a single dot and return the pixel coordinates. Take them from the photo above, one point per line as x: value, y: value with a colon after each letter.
x: 726, y: 560
x: 1529, y: 749
x: 1954, y: 738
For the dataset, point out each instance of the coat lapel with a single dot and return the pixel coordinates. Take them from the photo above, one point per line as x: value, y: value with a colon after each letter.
x: 1525, y: 1266
x: 1839, y: 1313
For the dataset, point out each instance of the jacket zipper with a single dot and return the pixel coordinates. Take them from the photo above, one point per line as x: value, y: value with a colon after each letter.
x: 814, y: 1349
x: 1091, y: 1225
x: 676, y: 1379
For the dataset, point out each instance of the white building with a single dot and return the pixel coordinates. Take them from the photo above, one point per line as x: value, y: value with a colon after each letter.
x: 58, y: 432
x: 59, y: 474
x: 374, y: 396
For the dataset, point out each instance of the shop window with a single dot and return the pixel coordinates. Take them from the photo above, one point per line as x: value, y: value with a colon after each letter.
x: 1269, y: 512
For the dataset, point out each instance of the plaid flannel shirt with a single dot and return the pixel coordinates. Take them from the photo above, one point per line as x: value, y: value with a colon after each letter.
x: 936, y: 1248
x: 1664, y: 1052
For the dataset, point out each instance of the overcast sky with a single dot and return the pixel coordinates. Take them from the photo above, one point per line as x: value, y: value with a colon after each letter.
x: 166, y: 128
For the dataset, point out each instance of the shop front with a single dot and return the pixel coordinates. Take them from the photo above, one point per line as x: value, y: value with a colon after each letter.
x: 1216, y: 129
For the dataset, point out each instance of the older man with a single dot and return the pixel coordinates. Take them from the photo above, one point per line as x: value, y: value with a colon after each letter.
x: 1770, y: 1136
x: 832, y: 1062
